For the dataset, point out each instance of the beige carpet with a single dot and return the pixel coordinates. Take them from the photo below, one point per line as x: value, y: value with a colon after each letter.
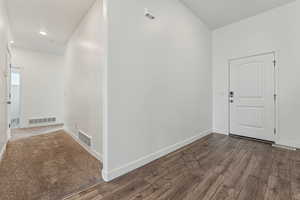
x: 46, y: 167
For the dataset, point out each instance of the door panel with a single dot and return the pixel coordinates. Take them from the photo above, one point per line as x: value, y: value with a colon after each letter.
x: 252, y: 110
x: 250, y: 80
x: 250, y: 117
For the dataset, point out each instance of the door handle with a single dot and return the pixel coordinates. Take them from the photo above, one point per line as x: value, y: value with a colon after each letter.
x: 231, y: 94
x: 8, y: 102
x: 231, y: 101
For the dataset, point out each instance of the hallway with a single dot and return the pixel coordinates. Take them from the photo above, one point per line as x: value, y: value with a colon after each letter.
x: 44, y: 167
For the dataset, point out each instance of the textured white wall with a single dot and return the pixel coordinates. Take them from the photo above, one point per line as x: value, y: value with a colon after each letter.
x: 159, y: 81
x: 84, y: 63
x: 42, y: 79
x: 276, y: 30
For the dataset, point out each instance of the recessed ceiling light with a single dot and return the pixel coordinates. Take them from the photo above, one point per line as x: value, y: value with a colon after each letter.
x: 43, y: 33
x: 12, y: 42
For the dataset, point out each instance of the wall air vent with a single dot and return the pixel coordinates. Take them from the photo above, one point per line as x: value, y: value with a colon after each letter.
x: 49, y: 120
x: 85, y: 138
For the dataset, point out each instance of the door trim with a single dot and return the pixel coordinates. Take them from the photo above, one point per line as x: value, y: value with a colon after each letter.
x: 276, y: 89
x: 8, y: 66
x: 252, y: 139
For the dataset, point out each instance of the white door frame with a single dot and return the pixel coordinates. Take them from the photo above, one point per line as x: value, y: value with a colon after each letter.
x: 276, y: 86
x: 8, y: 90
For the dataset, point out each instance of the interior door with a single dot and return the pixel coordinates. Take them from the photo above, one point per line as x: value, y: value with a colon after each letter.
x: 8, y: 91
x: 252, y: 97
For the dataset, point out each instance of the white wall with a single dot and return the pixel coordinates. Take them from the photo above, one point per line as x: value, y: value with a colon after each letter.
x: 276, y: 30
x: 159, y: 82
x: 84, y: 65
x: 4, y: 38
x: 42, y: 79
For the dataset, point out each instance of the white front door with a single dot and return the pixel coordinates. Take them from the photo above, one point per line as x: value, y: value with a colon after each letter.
x: 252, y: 100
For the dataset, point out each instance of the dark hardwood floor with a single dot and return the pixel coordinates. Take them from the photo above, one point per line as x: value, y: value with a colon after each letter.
x: 215, y: 167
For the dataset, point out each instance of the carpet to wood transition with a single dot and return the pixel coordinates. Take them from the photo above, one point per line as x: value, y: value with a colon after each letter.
x: 216, y: 167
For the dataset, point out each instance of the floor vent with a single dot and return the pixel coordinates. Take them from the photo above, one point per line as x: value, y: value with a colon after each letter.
x: 85, y: 138
x: 15, y: 122
x: 42, y: 120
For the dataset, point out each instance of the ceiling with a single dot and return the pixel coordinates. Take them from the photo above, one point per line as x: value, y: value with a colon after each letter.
x: 218, y: 13
x: 59, y: 18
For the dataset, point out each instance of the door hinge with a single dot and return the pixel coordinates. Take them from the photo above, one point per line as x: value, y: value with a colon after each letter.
x: 275, y: 131
x: 274, y: 62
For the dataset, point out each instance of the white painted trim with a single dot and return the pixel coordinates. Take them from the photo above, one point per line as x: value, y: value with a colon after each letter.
x: 3, y: 151
x: 284, y: 147
x: 108, y: 176
x: 250, y: 56
x: 105, y: 88
x: 288, y: 143
x: 277, y: 67
x: 36, y: 134
x: 8, y: 134
x: 94, y: 153
x: 224, y: 132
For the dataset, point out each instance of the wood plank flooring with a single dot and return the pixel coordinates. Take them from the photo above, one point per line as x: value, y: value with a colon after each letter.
x: 216, y: 167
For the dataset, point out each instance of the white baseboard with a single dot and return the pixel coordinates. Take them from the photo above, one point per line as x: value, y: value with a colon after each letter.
x: 8, y: 134
x: 220, y: 131
x: 108, y: 176
x: 3, y: 151
x: 284, y: 147
x: 94, y: 153
x: 36, y: 134
x: 293, y: 144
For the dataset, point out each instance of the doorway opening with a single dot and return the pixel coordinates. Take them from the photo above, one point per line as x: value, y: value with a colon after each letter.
x: 15, y: 97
